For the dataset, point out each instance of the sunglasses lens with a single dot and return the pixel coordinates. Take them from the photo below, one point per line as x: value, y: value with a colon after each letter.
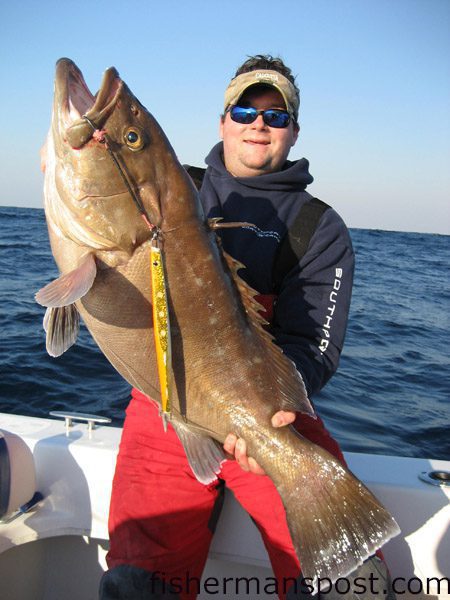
x: 243, y: 115
x: 276, y: 118
x: 272, y: 117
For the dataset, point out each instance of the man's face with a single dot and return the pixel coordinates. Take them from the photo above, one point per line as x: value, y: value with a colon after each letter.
x: 256, y: 148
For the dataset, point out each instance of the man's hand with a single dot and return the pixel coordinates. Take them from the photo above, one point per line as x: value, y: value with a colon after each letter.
x: 238, y: 448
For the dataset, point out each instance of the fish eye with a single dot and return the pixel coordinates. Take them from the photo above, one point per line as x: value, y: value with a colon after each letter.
x: 134, y: 138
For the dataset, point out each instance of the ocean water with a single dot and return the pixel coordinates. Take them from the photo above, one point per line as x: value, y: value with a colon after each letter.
x: 392, y: 390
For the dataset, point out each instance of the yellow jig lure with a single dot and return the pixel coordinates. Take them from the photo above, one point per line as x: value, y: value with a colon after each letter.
x: 161, y: 330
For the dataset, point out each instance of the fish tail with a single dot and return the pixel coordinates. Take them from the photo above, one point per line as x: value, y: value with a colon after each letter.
x: 335, y: 522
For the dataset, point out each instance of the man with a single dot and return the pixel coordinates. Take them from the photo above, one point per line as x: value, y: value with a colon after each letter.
x: 162, y: 519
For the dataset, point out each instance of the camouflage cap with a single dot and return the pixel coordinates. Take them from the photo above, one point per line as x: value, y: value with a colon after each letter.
x: 242, y: 82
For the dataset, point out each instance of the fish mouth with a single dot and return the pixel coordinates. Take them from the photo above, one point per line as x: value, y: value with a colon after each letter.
x: 74, y: 100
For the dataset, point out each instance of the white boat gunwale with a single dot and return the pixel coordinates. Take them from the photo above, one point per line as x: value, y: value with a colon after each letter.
x: 74, y: 470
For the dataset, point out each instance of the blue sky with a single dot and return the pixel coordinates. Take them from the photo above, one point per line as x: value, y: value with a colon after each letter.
x: 374, y: 78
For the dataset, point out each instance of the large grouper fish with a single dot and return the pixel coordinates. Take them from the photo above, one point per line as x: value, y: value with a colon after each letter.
x: 107, y: 164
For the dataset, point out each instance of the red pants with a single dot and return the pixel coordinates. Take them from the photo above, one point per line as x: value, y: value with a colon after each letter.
x: 161, y: 517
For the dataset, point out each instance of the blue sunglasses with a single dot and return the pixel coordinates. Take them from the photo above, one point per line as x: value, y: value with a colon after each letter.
x: 273, y: 117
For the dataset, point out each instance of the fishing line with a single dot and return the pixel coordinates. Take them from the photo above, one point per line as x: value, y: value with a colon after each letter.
x: 160, y: 308
x: 100, y: 136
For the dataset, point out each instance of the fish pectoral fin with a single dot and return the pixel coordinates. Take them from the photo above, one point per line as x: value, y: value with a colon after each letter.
x: 71, y: 286
x: 61, y: 325
x: 204, y: 454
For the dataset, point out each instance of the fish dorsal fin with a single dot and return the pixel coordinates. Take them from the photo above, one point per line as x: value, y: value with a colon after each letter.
x: 248, y: 295
x: 293, y: 395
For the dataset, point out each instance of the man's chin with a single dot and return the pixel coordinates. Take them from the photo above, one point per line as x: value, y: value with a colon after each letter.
x: 250, y: 165
x: 258, y: 164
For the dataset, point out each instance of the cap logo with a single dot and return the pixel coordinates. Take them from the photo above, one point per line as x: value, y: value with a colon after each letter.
x: 269, y: 76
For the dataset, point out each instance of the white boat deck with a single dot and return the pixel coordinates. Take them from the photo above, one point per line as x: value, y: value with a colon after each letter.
x: 74, y: 470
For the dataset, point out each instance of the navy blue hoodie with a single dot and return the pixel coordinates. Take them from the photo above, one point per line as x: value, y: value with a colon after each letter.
x: 313, y: 301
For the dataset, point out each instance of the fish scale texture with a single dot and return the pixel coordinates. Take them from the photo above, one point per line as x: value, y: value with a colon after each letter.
x: 227, y: 373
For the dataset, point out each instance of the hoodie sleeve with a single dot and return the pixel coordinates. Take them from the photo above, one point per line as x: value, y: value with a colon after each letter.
x: 311, y: 312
